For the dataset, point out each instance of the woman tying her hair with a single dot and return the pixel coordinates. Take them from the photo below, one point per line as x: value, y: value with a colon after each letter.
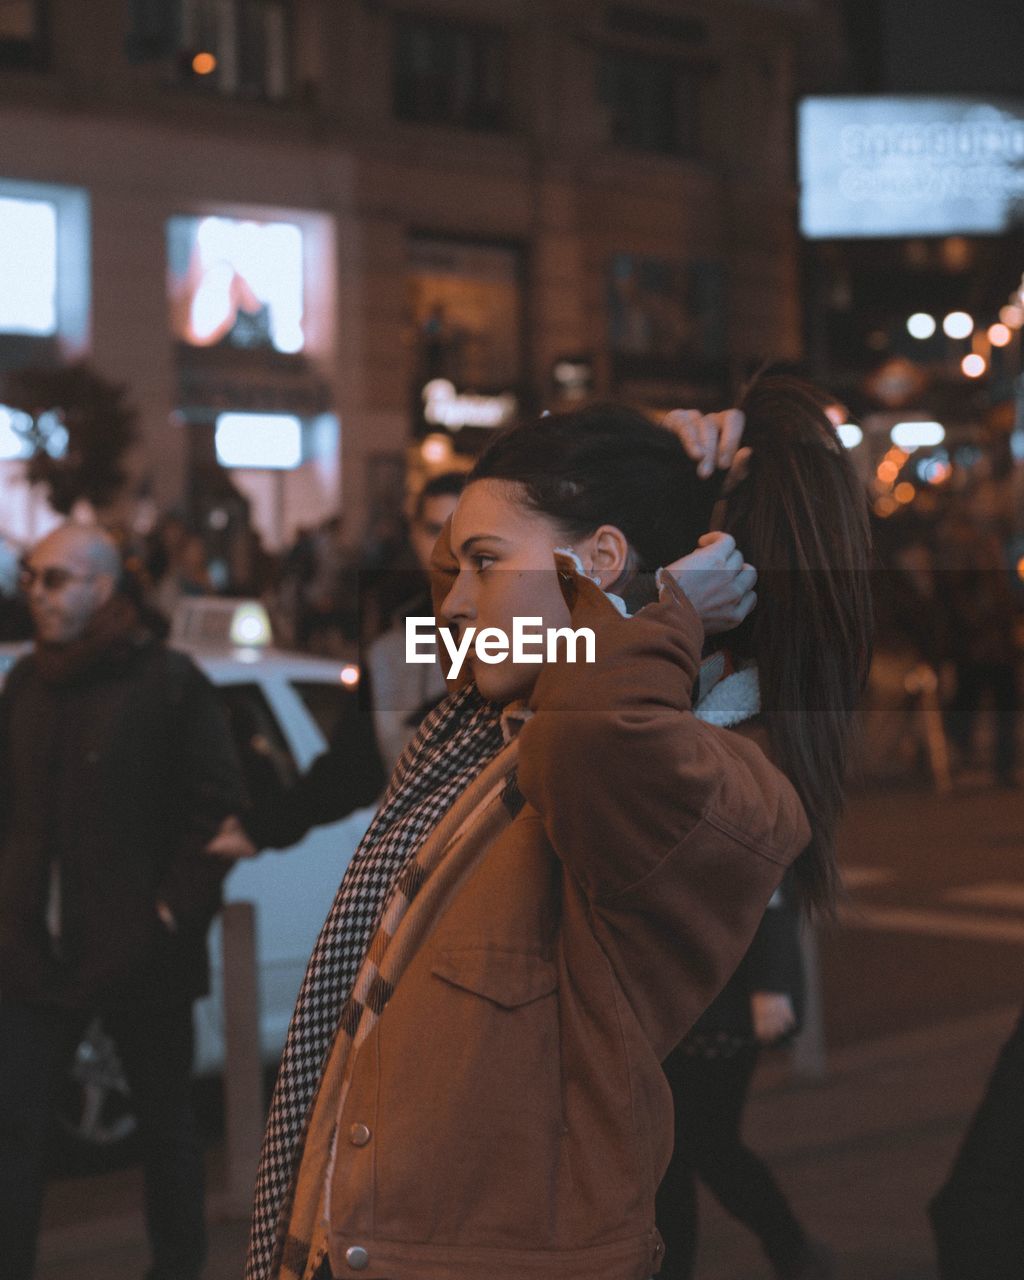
x: 799, y: 661
x: 566, y: 868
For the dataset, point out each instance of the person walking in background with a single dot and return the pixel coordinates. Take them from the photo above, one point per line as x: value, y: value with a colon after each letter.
x: 982, y: 618
x: 349, y: 775
x: 977, y: 1216
x: 710, y: 1074
x: 116, y: 767
x: 404, y: 693
x: 394, y: 698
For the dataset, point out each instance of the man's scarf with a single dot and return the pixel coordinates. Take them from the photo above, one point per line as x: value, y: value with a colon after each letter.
x: 448, y: 753
x: 109, y: 636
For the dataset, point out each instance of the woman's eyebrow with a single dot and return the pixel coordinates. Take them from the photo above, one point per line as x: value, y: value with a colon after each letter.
x: 480, y: 537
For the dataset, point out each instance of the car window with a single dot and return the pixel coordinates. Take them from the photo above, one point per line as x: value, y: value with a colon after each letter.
x: 266, y: 757
x: 330, y: 704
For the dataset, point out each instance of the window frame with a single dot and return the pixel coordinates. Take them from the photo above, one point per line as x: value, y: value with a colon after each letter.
x: 687, y: 79
x: 406, y: 23
x: 33, y: 53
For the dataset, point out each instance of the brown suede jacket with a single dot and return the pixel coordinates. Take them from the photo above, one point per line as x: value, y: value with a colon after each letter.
x: 508, y: 1117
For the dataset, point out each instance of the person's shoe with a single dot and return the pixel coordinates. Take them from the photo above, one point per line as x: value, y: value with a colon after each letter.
x: 817, y: 1263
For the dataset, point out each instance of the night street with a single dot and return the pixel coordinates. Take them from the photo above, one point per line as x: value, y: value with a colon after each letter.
x: 511, y: 639
x: 922, y: 981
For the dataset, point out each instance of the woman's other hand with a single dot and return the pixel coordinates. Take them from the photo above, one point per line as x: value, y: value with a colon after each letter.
x: 231, y: 841
x: 772, y: 1014
x: 712, y: 440
x: 717, y: 582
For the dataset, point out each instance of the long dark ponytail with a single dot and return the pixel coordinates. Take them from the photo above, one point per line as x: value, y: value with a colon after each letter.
x: 801, y: 517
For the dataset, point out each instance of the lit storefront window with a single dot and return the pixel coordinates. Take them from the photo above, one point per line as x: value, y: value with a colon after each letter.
x: 28, y: 266
x: 44, y: 272
x: 261, y: 441
x: 465, y: 304
x: 236, y: 283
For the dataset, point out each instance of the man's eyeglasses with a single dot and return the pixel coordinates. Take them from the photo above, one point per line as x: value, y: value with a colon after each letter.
x: 52, y: 578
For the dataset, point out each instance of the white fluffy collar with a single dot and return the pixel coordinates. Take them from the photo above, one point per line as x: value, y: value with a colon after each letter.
x: 731, y: 700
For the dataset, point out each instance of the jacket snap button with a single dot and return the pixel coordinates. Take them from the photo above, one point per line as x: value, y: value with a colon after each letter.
x: 357, y: 1257
x: 359, y: 1135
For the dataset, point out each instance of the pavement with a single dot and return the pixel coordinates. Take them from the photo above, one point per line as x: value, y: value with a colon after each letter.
x: 922, y: 984
x: 859, y: 1153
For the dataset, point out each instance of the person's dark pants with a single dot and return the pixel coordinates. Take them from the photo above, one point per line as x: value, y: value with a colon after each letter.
x: 972, y: 679
x: 37, y: 1044
x: 709, y: 1095
x: 978, y: 1215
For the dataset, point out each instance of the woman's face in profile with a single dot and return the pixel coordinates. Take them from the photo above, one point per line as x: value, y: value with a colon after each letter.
x: 506, y: 570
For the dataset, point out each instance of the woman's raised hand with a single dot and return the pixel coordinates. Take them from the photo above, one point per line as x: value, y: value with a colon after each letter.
x: 717, y: 582
x: 712, y: 440
x: 772, y: 1014
x: 231, y: 841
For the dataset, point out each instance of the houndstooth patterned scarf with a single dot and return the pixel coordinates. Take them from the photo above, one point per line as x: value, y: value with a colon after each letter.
x: 451, y: 748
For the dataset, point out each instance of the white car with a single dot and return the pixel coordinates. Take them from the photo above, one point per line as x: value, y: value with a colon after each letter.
x: 290, y: 703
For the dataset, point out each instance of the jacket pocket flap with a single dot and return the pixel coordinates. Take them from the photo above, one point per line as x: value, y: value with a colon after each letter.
x: 508, y: 978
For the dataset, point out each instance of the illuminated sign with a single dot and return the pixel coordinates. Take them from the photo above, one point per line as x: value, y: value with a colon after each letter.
x: 28, y: 266
x: 910, y: 166
x: 917, y: 435
x: 259, y: 440
x: 443, y: 406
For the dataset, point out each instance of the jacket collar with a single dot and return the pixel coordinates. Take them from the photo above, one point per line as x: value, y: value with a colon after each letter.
x: 727, y: 696
x: 113, y: 633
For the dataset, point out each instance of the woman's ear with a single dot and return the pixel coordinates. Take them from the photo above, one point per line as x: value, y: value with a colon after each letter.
x: 605, y: 554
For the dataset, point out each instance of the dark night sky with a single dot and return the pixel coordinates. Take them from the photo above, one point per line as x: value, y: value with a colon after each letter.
x: 938, y: 46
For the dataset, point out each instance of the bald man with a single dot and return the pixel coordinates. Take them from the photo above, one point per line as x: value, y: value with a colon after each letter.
x: 116, y: 768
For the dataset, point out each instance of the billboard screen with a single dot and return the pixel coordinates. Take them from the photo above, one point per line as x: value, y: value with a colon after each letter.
x: 910, y: 166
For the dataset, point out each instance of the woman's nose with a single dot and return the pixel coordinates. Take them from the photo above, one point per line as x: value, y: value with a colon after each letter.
x: 458, y: 606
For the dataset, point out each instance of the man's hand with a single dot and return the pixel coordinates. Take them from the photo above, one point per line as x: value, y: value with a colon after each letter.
x: 231, y: 841
x: 167, y: 917
x: 772, y: 1014
x: 717, y: 582
x: 712, y: 440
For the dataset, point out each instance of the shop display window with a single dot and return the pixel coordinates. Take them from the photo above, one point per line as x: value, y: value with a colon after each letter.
x: 236, y: 283
x: 28, y: 266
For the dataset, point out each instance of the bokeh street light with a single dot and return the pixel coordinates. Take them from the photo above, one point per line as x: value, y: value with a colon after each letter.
x: 958, y: 324
x: 921, y: 325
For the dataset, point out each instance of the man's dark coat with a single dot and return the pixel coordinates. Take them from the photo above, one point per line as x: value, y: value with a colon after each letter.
x: 119, y: 773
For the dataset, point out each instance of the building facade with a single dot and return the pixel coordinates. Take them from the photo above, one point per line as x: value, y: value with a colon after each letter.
x: 350, y: 227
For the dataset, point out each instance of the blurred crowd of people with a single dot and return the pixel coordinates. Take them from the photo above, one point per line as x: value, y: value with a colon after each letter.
x: 327, y: 592
x: 949, y: 604
x: 948, y: 593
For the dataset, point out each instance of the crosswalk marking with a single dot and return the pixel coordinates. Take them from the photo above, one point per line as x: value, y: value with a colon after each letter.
x: 866, y: 877
x: 993, y: 893
x: 940, y: 924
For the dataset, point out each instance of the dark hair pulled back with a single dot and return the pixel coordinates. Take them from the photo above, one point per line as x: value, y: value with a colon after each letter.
x: 606, y: 464
x: 801, y: 518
